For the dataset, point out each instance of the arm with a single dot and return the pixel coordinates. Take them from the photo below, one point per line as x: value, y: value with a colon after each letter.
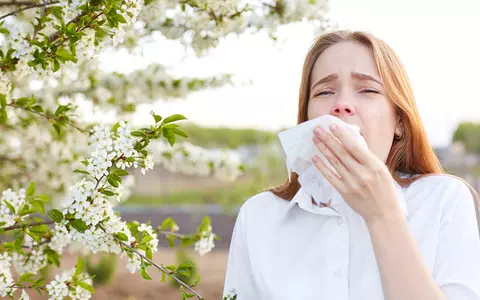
x: 457, y: 263
x: 238, y: 275
x: 403, y: 272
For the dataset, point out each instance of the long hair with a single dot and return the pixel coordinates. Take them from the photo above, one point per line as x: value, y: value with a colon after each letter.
x: 411, y: 154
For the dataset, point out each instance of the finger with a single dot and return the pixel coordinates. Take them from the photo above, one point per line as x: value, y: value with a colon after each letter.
x: 340, y: 151
x: 334, y: 180
x: 333, y: 159
x: 360, y: 153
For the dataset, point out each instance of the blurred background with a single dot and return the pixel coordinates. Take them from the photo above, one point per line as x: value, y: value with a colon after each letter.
x: 438, y: 43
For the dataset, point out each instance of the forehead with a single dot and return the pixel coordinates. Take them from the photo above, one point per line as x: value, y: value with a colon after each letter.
x: 344, y: 58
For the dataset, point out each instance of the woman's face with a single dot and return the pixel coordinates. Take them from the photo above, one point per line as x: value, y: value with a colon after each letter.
x: 345, y: 84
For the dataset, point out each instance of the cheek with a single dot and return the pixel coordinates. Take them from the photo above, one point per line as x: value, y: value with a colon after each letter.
x: 317, y: 109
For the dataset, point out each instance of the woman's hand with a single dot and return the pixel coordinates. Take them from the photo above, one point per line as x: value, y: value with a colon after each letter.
x: 363, y: 181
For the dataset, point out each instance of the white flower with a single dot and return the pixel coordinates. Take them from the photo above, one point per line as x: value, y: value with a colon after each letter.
x: 205, y: 244
x: 31, y: 262
x: 24, y: 296
x: 57, y: 289
x: 5, y: 84
x: 148, y: 164
x: 135, y: 261
x: 6, y: 279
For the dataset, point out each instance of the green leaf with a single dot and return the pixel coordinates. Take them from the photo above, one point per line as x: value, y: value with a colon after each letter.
x: 56, y: 65
x: 10, y: 206
x: 55, y: 215
x: 121, y: 236
x: 30, y: 189
x: 138, y: 133
x: 4, y: 31
x: 81, y: 171
x: 163, y: 277
x: 52, y: 257
x: 22, y: 101
x: 3, y: 116
x: 119, y: 18
x: 180, y: 132
x: 149, y: 253
x: 79, y: 225
x: 156, y: 117
x: 112, y: 181
x: 38, y: 206
x: 27, y: 277
x: 120, y: 172
x: 86, y: 286
x: 39, y: 229
x: 37, y: 108
x: 115, y: 127
x: 107, y: 192
x: 79, y: 267
x: 42, y: 198
x: 173, y: 118
x: 64, y: 55
x: 146, y: 239
x: 34, y: 236
x: 3, y: 100
x: 19, y: 240
x: 143, y: 272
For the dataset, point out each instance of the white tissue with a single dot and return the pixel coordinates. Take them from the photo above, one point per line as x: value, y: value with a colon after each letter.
x: 299, y: 149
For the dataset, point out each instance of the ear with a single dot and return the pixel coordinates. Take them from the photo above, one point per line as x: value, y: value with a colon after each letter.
x: 399, y: 126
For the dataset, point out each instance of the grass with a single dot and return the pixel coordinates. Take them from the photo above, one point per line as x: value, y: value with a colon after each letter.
x: 234, y: 195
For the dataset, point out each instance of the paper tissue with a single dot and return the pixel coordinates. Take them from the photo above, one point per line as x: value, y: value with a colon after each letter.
x: 299, y: 149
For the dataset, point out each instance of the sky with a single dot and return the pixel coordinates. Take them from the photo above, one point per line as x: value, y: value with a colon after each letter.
x: 437, y: 41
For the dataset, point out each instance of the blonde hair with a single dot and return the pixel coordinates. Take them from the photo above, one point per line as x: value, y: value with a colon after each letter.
x: 412, y: 154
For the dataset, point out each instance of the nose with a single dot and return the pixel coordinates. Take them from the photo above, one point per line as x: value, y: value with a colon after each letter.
x: 342, y: 110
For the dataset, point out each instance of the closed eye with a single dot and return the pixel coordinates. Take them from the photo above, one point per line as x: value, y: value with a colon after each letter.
x: 368, y: 91
x: 323, y: 93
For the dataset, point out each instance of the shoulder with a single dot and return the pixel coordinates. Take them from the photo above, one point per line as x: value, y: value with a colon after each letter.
x: 262, y: 207
x: 443, y: 191
x: 441, y: 183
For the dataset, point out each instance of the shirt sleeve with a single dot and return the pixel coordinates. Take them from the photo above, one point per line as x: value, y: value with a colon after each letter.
x: 457, y: 263
x: 238, y: 279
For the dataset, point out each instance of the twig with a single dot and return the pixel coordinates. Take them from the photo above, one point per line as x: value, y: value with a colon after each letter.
x: 30, y: 5
x: 157, y: 266
x: 39, y: 244
x: 50, y: 118
x: 28, y: 225
x: 171, y: 233
x: 37, y: 28
x: 163, y: 270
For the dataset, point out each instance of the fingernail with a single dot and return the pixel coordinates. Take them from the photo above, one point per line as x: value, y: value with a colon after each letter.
x: 315, y: 158
x: 333, y: 127
x: 318, y: 130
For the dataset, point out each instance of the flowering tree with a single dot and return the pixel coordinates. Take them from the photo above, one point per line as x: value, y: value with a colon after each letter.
x: 52, y: 158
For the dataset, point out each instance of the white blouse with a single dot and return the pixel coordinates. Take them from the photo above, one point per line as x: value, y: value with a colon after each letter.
x: 289, y: 250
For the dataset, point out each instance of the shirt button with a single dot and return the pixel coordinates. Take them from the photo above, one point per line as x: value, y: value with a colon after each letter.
x: 338, y: 273
x: 339, y: 221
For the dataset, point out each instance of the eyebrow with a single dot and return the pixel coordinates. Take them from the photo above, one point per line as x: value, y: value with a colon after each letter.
x: 356, y: 75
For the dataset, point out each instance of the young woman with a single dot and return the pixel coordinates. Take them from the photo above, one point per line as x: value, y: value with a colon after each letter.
x: 420, y: 243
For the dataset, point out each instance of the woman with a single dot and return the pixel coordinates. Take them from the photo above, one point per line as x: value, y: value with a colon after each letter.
x: 284, y: 247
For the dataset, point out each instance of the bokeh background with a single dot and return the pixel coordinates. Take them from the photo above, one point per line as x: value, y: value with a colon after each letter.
x: 438, y: 43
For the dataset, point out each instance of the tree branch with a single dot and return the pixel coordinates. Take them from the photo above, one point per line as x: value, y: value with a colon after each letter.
x: 28, y: 225
x: 157, y: 266
x: 50, y: 118
x: 29, y: 5
x: 171, y: 233
x: 162, y: 269
x: 37, y: 28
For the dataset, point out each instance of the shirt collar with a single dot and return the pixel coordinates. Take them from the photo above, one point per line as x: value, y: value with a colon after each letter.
x: 304, y: 201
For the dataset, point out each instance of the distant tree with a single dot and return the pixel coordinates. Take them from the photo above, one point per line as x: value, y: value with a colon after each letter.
x: 468, y: 133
